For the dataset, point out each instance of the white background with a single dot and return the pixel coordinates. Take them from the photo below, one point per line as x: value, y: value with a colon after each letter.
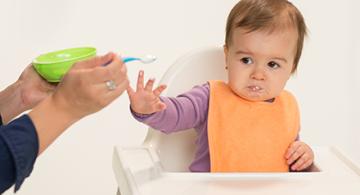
x: 327, y: 84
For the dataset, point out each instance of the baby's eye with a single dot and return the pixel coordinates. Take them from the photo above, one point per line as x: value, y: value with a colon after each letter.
x: 273, y: 65
x: 246, y: 60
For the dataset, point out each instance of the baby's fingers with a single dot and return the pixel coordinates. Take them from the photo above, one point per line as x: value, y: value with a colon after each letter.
x: 303, y: 162
x: 140, y: 81
x: 296, y: 155
x: 298, y: 163
x: 159, y: 90
x: 293, y: 147
x: 149, y: 85
x: 306, y: 165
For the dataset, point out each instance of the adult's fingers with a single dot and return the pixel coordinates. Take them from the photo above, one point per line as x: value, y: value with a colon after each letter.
x: 102, y: 95
x: 113, y: 94
x: 103, y: 87
x: 115, y: 71
x: 95, y: 61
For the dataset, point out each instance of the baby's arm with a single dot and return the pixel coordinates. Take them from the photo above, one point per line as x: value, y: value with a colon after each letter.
x: 299, y: 156
x: 166, y: 113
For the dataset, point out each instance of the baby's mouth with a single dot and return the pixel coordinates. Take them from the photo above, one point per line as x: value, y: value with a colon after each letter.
x: 254, y: 88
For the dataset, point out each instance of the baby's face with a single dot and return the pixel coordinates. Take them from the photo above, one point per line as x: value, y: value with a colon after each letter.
x: 260, y: 63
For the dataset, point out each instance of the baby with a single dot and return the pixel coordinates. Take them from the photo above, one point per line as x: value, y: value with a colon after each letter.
x: 250, y: 123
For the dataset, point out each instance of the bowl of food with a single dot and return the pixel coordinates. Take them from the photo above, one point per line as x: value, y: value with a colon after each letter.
x: 54, y: 65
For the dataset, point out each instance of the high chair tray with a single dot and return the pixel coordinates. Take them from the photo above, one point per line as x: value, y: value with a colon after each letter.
x: 138, y: 172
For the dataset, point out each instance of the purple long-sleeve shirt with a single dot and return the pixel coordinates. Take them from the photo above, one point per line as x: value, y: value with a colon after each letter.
x: 188, y: 110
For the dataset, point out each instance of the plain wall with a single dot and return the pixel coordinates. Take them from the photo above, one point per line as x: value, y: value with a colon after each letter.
x: 79, y: 162
x: 354, y: 75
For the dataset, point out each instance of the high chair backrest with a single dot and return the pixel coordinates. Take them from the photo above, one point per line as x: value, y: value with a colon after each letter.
x: 176, y: 151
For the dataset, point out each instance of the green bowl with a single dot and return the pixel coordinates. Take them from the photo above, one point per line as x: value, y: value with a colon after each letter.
x: 54, y: 65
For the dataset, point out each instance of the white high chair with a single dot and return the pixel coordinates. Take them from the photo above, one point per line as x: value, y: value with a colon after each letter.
x: 160, y: 165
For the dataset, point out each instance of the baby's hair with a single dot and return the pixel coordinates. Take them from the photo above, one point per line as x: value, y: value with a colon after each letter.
x: 268, y: 15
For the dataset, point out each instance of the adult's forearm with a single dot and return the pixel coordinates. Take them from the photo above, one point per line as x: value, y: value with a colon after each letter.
x: 51, y: 120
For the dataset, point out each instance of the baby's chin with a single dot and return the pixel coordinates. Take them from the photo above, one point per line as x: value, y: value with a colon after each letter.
x: 254, y: 98
x: 248, y: 95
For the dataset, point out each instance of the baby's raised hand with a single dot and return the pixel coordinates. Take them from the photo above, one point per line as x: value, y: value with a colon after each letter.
x: 145, y: 100
x: 299, y: 156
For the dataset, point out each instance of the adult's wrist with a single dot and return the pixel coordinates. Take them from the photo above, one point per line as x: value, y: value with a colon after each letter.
x: 61, y: 103
x: 10, y: 102
x: 51, y: 107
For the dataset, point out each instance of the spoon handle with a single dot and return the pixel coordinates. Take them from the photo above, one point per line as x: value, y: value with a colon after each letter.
x: 125, y: 60
x: 129, y: 59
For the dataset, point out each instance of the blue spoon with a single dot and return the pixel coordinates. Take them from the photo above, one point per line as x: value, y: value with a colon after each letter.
x: 146, y: 59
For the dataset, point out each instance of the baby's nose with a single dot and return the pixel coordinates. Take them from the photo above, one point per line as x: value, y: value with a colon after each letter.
x: 258, y: 74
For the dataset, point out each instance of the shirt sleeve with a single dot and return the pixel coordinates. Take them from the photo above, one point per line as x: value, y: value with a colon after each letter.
x: 19, y: 148
x: 185, y: 111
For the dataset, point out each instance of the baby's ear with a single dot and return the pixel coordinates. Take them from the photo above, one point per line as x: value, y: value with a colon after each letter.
x: 293, y: 71
x: 226, y: 51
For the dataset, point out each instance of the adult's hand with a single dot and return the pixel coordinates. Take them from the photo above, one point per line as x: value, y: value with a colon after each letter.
x: 24, y: 94
x: 33, y: 88
x: 82, y: 91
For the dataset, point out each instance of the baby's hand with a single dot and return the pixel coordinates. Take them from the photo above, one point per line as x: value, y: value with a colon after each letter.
x: 145, y: 100
x: 299, y: 156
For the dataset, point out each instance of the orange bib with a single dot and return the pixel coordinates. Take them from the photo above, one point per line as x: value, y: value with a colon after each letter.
x: 247, y: 136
